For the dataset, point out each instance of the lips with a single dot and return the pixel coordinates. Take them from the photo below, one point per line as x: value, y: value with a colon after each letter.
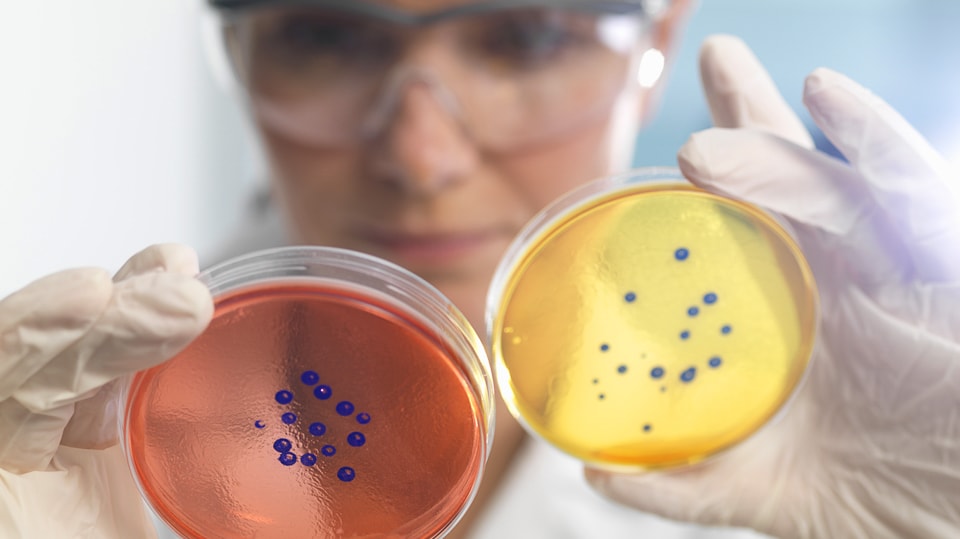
x: 435, y: 250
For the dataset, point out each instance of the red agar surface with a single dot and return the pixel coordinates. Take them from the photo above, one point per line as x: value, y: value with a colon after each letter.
x: 202, y: 427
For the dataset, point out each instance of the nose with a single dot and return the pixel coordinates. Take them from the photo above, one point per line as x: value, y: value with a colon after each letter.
x: 422, y: 146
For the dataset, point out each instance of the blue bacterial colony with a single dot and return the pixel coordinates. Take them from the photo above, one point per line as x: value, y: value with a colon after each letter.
x: 344, y: 408
x: 688, y: 375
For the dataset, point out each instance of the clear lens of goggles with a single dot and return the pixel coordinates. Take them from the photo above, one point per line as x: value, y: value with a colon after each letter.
x: 511, y: 77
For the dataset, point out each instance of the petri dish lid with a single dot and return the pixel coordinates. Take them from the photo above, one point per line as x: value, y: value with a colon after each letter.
x: 333, y: 394
x: 640, y: 322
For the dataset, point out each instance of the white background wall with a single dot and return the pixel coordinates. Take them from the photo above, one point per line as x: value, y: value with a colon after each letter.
x: 113, y: 134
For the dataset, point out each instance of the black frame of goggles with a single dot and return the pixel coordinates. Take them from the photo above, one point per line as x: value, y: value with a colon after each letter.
x: 365, y: 7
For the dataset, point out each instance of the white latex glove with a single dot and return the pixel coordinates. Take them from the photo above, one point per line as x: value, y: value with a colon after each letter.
x: 64, y: 341
x: 871, y: 444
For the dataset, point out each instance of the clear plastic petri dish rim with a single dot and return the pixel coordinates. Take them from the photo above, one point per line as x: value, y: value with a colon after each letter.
x: 364, y: 276
x: 531, y: 303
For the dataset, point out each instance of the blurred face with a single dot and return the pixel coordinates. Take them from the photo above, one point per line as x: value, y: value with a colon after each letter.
x: 431, y: 146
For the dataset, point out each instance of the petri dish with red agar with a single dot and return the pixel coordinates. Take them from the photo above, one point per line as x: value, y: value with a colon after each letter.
x: 642, y: 323
x: 333, y: 395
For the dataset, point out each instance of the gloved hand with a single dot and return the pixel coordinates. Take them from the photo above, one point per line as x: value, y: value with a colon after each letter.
x: 64, y: 341
x: 870, y: 447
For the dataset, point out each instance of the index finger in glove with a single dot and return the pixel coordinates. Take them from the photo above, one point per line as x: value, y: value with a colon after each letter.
x: 166, y: 257
x: 741, y: 93
x: 814, y: 190
x: 905, y: 176
x: 149, y: 318
x: 93, y: 423
x: 68, y: 335
x: 41, y: 321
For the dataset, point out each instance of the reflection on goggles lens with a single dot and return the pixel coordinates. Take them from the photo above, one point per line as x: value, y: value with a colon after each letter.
x: 516, y: 75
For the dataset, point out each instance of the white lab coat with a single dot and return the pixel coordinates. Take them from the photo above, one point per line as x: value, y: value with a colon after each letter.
x: 544, y: 496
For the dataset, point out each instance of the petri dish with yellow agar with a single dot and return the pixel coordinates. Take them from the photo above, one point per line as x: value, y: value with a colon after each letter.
x: 640, y: 322
x: 333, y: 395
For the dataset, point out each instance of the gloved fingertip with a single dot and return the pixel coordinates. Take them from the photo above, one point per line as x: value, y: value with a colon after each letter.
x: 602, y: 482
x: 597, y: 482
x: 722, y: 42
x: 640, y: 491
x: 165, y: 257
x: 817, y: 80
x: 832, y: 97
x: 693, y: 158
x: 182, y: 298
x: 203, y: 305
x: 725, y: 60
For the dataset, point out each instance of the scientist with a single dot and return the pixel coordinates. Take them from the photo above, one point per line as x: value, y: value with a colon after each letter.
x: 427, y: 132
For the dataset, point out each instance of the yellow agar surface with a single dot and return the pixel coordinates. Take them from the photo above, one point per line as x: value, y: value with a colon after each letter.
x: 654, y: 326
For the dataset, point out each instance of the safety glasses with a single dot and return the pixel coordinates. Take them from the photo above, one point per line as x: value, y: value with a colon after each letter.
x: 336, y: 73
